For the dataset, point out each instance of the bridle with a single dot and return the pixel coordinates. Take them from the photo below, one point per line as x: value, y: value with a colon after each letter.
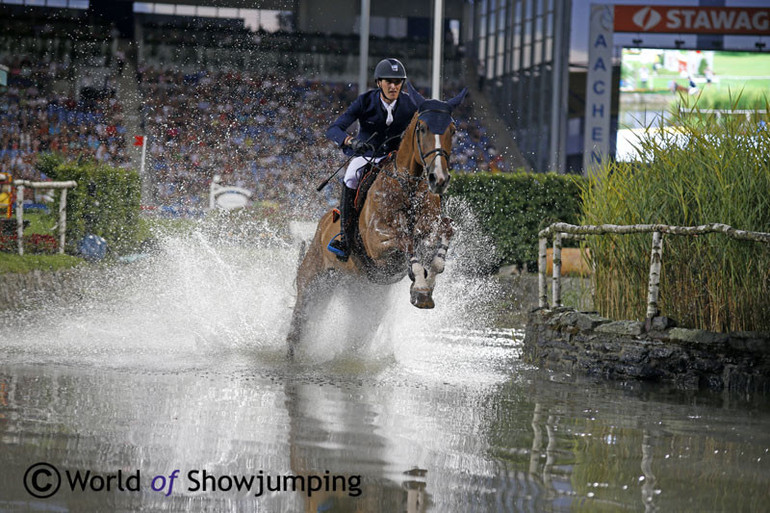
x: 410, y: 182
x: 440, y: 151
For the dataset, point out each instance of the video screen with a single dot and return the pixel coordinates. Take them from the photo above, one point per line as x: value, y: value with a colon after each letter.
x: 655, y: 83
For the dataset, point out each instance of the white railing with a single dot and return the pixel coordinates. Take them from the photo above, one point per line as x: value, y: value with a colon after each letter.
x: 560, y: 231
x: 20, y: 185
x: 724, y: 112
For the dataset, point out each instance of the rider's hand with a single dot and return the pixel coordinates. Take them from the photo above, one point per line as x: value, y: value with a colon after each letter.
x: 359, y: 147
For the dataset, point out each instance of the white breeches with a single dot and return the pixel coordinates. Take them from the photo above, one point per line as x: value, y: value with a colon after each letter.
x: 353, y: 172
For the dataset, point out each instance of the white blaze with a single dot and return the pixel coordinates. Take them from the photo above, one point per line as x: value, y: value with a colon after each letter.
x: 439, y: 169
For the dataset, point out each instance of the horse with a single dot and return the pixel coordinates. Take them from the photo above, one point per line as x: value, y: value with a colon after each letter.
x: 401, y: 230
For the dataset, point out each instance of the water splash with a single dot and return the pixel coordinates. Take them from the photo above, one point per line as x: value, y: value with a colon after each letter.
x: 216, y: 293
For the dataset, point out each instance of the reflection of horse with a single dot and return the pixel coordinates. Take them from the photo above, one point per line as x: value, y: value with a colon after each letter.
x: 362, y: 455
x: 400, y: 226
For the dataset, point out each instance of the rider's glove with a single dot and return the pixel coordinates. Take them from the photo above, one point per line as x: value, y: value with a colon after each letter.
x: 359, y: 147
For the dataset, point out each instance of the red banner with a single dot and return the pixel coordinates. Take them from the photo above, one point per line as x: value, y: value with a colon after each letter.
x: 693, y: 19
x: 138, y: 140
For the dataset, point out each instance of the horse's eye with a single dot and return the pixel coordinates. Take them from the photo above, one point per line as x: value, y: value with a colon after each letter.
x: 421, y: 128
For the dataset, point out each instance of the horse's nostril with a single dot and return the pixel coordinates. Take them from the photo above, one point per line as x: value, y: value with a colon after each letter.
x: 432, y: 178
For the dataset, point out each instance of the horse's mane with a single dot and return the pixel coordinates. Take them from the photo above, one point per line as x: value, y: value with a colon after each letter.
x: 406, y: 146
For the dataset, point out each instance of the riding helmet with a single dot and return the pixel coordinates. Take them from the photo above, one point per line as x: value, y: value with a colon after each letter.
x: 389, y: 68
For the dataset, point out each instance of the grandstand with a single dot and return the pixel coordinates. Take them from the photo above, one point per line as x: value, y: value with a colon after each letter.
x: 212, y: 97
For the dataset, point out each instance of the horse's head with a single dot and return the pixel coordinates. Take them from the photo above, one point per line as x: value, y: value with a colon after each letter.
x: 433, y: 130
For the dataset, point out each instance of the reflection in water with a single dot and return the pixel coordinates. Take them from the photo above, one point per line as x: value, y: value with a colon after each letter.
x: 648, y: 483
x: 436, y: 413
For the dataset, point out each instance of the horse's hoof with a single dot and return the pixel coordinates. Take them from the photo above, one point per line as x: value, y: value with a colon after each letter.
x: 422, y: 300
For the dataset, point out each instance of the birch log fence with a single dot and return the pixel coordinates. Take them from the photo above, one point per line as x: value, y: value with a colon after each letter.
x: 559, y: 231
x: 63, y: 186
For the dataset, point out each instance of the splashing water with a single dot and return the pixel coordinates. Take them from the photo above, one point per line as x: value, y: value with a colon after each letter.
x: 202, y: 296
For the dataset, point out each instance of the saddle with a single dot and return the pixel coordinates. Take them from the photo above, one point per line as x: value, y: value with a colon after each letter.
x: 367, y: 180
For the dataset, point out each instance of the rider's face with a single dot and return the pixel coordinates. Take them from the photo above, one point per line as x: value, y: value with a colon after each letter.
x: 390, y: 88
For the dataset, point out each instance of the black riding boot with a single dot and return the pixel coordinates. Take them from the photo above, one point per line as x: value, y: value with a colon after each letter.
x: 341, y: 243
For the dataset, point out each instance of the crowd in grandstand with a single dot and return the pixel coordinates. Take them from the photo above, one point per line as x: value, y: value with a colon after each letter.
x: 261, y: 131
x: 264, y: 133
x: 34, y: 119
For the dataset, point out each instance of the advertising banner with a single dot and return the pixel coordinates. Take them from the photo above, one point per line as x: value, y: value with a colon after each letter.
x: 692, y: 19
x: 596, y: 139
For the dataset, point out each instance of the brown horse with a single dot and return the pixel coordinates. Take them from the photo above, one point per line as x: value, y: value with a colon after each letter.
x: 400, y: 227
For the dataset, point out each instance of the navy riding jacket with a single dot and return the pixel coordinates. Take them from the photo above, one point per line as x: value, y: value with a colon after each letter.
x: 368, y: 110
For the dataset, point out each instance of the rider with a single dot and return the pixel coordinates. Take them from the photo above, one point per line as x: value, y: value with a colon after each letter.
x: 383, y: 114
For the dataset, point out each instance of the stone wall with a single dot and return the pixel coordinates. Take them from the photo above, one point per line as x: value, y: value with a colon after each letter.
x: 567, y: 340
x: 35, y: 288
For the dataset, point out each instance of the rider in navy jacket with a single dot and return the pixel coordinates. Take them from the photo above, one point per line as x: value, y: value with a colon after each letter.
x: 383, y: 115
x: 368, y: 110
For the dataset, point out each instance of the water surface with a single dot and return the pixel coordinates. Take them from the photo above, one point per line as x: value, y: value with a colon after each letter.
x: 176, y: 363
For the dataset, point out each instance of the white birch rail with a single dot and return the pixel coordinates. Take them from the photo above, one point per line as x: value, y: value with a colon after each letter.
x: 558, y: 231
x: 722, y: 112
x: 20, y: 185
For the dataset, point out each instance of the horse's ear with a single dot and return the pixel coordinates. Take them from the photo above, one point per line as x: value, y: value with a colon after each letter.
x: 457, y: 100
x: 415, y: 94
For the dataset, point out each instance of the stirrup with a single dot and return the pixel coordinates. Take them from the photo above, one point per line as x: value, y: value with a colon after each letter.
x: 336, y: 246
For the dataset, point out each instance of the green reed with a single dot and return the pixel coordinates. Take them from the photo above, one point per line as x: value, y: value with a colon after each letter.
x: 746, y: 97
x: 703, y: 169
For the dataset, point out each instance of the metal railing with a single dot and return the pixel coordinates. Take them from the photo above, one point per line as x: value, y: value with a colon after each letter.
x: 560, y: 231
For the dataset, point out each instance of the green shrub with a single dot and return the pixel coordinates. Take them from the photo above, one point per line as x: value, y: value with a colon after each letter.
x: 702, y: 67
x: 514, y: 207
x: 707, y: 170
x: 106, y: 201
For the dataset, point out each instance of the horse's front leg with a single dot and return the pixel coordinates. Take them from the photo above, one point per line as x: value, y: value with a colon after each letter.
x: 424, y: 278
x: 421, y: 291
x: 439, y: 259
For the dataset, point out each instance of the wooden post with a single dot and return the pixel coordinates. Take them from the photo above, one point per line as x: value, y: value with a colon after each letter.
x: 541, y: 272
x: 653, y: 291
x: 20, y: 218
x: 20, y: 185
x: 62, y: 219
x: 557, y: 269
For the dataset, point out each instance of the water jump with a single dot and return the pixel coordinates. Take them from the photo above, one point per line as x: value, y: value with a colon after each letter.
x: 396, y: 220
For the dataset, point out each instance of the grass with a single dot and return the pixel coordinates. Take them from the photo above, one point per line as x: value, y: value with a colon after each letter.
x: 709, y: 170
x: 743, y: 64
x: 14, y: 263
x: 40, y: 222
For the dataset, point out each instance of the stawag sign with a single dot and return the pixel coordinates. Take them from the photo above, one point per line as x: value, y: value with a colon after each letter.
x: 693, y: 19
